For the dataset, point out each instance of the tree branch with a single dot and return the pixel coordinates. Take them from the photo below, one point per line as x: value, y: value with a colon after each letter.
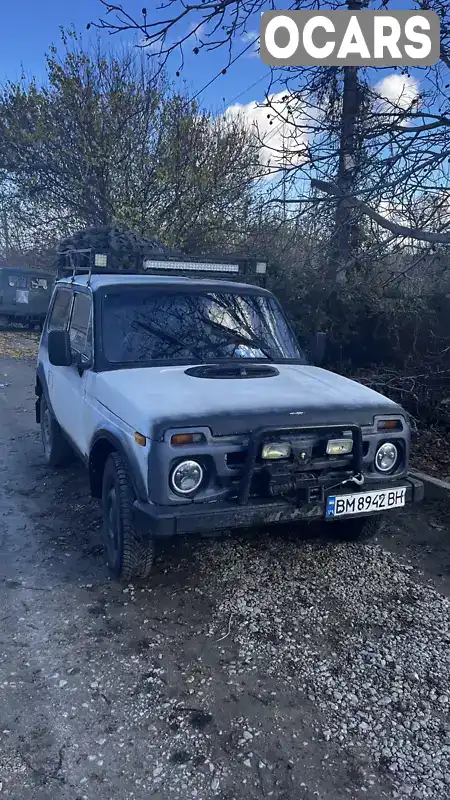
x: 387, y: 224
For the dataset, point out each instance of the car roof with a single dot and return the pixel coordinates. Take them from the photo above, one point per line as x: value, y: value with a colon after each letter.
x: 27, y: 271
x: 171, y: 281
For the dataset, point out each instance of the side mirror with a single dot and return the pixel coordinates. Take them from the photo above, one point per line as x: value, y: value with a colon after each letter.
x: 317, y: 347
x: 59, y: 349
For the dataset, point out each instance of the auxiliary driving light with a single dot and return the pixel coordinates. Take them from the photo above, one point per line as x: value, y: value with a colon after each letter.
x: 386, y: 457
x: 100, y: 260
x: 339, y: 447
x: 186, y: 477
x: 276, y: 450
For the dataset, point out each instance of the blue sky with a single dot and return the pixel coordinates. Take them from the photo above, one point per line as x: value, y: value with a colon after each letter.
x: 30, y: 26
x: 26, y: 35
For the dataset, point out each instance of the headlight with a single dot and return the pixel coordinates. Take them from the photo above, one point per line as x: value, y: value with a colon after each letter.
x: 276, y: 450
x: 186, y: 477
x: 386, y: 457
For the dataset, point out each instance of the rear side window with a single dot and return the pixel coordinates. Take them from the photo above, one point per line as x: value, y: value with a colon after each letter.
x: 59, y: 316
x: 80, y: 330
x: 39, y: 283
x: 18, y: 281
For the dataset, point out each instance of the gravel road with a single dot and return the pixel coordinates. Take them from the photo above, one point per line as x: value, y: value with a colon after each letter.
x: 283, y: 665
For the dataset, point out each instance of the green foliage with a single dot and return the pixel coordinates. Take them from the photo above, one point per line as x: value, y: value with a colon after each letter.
x: 106, y: 142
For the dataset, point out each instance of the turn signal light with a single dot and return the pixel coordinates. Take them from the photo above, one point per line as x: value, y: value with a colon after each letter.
x: 389, y: 425
x: 187, y: 438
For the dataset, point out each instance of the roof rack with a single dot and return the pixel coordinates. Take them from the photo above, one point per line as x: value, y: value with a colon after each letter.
x: 73, y: 262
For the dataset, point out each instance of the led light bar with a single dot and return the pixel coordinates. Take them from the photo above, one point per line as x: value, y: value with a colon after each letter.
x: 192, y: 266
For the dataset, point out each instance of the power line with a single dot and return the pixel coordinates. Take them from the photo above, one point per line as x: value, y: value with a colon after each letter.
x: 233, y: 61
x: 247, y: 89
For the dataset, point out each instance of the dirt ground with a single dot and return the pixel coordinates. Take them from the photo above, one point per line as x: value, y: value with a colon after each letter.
x: 213, y: 679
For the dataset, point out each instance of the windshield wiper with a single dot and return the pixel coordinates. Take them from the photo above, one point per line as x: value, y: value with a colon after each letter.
x: 168, y: 337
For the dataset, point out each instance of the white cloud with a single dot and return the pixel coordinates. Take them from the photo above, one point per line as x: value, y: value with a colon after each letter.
x: 397, y: 91
x: 392, y: 210
x: 198, y: 29
x: 148, y: 44
x: 247, y: 38
x: 287, y: 124
x: 277, y: 128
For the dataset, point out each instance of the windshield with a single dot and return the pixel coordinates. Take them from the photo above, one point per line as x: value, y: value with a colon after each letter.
x: 142, y: 326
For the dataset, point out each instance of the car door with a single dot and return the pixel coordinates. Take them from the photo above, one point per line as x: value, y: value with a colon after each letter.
x: 69, y: 384
x: 58, y: 320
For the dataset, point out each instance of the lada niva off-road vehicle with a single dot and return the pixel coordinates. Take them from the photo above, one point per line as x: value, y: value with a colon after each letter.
x: 195, y: 410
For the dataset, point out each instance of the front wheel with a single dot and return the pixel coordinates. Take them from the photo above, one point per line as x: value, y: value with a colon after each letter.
x: 57, y: 450
x: 129, y: 554
x: 359, y: 529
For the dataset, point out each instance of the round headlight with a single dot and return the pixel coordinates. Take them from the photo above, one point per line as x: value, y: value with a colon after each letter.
x: 386, y: 457
x: 186, y: 477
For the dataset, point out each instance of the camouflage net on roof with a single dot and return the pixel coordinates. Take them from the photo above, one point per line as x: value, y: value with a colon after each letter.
x: 125, y: 249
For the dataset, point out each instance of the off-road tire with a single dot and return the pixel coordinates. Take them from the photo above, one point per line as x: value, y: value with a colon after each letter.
x: 359, y: 529
x: 57, y: 450
x: 129, y: 552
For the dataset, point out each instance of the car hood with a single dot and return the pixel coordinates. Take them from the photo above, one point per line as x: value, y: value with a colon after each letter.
x: 154, y: 399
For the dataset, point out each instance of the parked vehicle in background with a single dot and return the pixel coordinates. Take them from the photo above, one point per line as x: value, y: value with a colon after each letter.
x: 24, y: 295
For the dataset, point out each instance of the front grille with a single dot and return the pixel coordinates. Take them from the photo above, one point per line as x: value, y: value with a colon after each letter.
x: 307, y: 468
x: 313, y: 446
x: 236, y: 460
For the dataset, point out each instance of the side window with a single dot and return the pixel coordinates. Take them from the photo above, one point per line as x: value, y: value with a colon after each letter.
x: 60, y: 312
x: 80, y: 330
x: 38, y: 283
x: 19, y: 281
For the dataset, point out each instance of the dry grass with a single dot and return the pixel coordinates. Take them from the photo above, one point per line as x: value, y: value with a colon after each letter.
x: 19, y: 344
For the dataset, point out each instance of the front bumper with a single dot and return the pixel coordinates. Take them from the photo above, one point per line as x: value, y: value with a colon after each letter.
x: 210, y: 517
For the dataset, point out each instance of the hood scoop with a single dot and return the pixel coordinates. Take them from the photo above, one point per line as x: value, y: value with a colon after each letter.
x: 232, y: 371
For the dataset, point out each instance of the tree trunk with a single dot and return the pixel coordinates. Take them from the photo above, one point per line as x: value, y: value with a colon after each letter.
x: 345, y: 235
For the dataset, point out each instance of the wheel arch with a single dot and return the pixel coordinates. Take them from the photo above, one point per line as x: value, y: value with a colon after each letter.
x: 103, y: 444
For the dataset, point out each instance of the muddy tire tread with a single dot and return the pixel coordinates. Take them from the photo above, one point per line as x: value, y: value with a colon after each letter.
x: 61, y: 452
x: 138, y: 554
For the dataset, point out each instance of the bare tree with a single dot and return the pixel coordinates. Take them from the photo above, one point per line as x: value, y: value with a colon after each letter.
x: 376, y: 144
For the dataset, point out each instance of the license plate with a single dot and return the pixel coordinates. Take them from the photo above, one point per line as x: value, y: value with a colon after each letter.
x: 344, y: 505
